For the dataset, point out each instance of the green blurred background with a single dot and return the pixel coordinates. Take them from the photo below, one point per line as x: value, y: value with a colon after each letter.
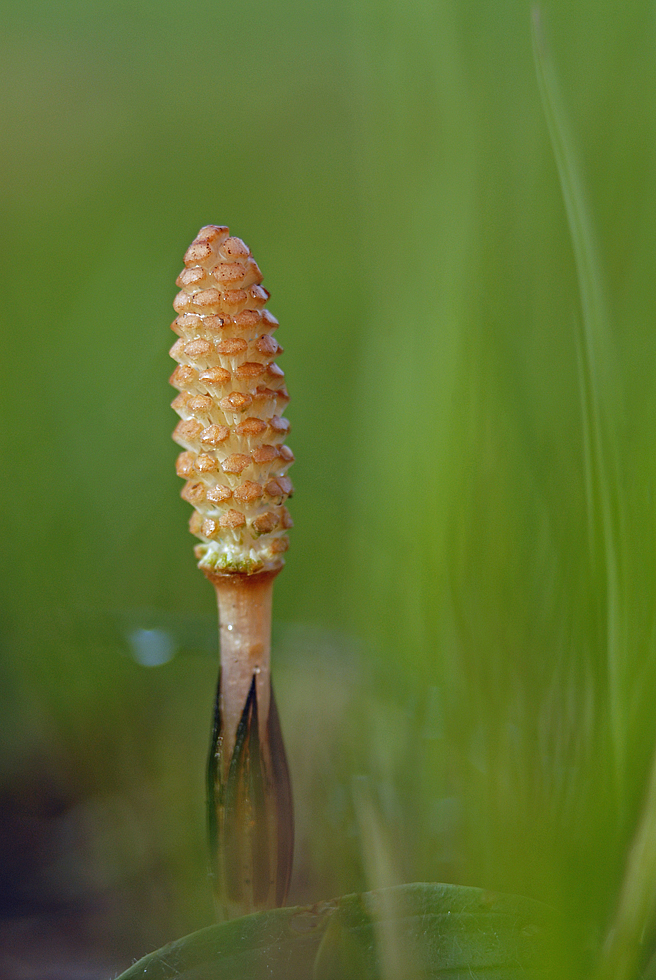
x: 465, y: 677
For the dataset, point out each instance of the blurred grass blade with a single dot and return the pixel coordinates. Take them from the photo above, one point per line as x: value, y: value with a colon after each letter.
x: 448, y: 931
x: 598, y: 390
x: 634, y: 917
x: 379, y: 865
x: 340, y: 954
x: 637, y: 902
x: 250, y: 815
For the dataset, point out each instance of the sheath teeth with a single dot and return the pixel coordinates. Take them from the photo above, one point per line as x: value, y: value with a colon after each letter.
x: 231, y: 402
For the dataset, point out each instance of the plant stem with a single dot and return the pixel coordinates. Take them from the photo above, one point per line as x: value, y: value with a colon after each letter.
x: 249, y: 791
x: 244, y: 603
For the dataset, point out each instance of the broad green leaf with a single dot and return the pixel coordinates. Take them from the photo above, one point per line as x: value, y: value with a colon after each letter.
x: 425, y: 931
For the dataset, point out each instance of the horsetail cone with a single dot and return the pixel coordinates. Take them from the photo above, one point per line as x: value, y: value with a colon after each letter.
x: 232, y: 430
x: 231, y: 403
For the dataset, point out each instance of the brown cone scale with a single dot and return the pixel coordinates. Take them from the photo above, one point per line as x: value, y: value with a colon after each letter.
x: 231, y: 402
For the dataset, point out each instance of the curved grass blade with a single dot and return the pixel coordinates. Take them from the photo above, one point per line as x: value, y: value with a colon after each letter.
x: 599, y: 386
x: 448, y: 932
x: 631, y: 935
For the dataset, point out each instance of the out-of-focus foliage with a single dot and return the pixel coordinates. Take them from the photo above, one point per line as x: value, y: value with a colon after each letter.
x: 461, y: 699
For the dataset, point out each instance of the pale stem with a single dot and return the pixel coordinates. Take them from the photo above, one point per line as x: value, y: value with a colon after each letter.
x: 244, y: 603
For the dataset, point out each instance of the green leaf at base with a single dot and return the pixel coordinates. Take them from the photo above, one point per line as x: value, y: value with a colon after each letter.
x: 434, y: 931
